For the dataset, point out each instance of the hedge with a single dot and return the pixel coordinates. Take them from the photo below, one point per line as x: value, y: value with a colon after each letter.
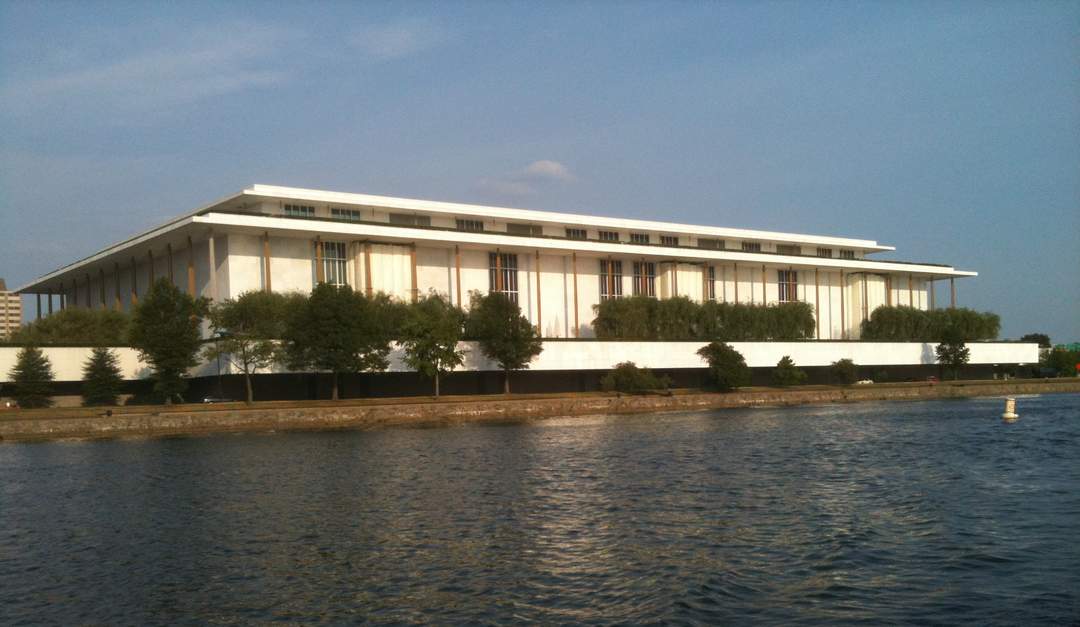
x: 674, y: 319
x: 907, y: 324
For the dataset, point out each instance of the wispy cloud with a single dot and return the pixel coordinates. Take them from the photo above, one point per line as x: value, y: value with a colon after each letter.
x: 205, y: 64
x: 528, y: 180
x: 398, y: 40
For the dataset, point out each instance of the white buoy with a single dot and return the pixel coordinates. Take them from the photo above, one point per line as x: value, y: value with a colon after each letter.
x: 1010, y: 409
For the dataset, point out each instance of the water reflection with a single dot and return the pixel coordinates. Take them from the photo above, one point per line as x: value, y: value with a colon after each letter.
x: 907, y: 512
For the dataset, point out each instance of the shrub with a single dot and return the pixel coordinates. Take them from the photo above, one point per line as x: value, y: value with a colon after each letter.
x: 76, y: 325
x: 628, y: 378
x: 727, y: 367
x: 907, y: 324
x: 101, y: 378
x: 1063, y: 362
x: 670, y: 319
x: 844, y: 371
x: 786, y: 373
x: 31, y: 377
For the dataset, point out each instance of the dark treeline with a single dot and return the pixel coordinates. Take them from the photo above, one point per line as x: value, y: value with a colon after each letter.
x: 681, y: 319
x: 907, y: 324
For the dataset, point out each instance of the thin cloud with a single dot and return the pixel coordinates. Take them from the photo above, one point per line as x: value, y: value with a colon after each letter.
x: 528, y: 180
x: 396, y: 41
x: 547, y: 170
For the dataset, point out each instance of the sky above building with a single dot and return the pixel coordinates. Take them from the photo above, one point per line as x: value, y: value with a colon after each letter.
x: 949, y: 130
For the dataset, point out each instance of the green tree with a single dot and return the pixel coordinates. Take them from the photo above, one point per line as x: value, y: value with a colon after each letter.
x: 339, y: 330
x: 952, y: 353
x: 246, y: 329
x: 1063, y: 362
x: 430, y: 336
x: 78, y: 326
x: 505, y: 336
x: 844, y: 371
x: 165, y: 329
x: 1041, y: 338
x: 628, y: 378
x: 102, y: 382
x: 727, y: 367
x: 787, y: 373
x: 32, y: 376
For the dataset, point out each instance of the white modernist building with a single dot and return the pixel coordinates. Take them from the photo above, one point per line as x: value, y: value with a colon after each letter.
x: 556, y: 266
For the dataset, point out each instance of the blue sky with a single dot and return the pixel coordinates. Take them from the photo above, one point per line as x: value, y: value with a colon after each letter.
x: 949, y: 130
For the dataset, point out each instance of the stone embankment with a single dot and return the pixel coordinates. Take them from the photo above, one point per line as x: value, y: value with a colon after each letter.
x: 85, y: 423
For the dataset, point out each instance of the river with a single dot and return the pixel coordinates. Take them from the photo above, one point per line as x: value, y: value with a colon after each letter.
x: 880, y: 512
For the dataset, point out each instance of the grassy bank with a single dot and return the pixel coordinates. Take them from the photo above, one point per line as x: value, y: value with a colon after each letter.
x: 142, y: 421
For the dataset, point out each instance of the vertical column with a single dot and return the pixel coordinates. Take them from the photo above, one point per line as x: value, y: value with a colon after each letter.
x: 190, y: 268
x: 101, y: 287
x: 577, y: 329
x: 539, y: 325
x: 116, y: 286
x: 843, y: 321
x: 50, y: 301
x: 888, y: 290
x: 675, y: 279
x: 704, y: 282
x: 150, y: 268
x: 368, y: 289
x: 611, y: 277
x: 415, y: 291
x: 38, y: 308
x: 457, y: 273
x: 910, y: 292
x: 817, y: 303
x: 266, y: 261
x: 213, y: 267
x: 134, y: 285
x: 930, y: 288
x: 865, y: 299
x: 63, y: 296
x: 498, y: 271
x: 952, y: 291
x: 320, y: 276
x: 89, y: 296
x: 764, y: 290
x: 168, y: 249
x: 75, y: 291
x: 736, y: 284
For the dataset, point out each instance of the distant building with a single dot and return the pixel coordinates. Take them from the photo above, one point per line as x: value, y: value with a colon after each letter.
x: 556, y: 266
x: 10, y: 311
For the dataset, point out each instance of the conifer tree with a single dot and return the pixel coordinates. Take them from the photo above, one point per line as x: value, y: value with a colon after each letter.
x: 101, y: 378
x: 31, y: 377
x: 165, y: 329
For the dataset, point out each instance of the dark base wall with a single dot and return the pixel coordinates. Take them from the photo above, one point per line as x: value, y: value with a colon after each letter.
x: 318, y: 386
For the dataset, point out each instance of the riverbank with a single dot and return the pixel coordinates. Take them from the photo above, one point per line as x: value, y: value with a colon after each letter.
x: 157, y: 421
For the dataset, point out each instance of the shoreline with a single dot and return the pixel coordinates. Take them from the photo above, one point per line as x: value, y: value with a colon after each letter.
x: 189, y: 420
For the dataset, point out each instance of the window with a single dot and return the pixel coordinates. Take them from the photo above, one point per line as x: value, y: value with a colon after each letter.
x: 575, y: 234
x: 639, y: 238
x: 609, y: 236
x: 516, y: 228
x: 502, y: 274
x: 352, y: 215
x: 334, y: 262
x: 710, y: 284
x: 824, y: 252
x: 299, y: 211
x: 669, y: 240
x: 704, y: 242
x: 409, y: 219
x: 847, y: 254
x: 644, y: 278
x: 787, y: 249
x: 610, y: 279
x: 788, y: 282
x: 470, y: 225
x: 751, y: 247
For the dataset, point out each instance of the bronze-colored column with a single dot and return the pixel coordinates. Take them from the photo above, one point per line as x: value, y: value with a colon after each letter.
x: 865, y: 299
x: 89, y: 294
x: 266, y: 260
x: 63, y: 296
x: 368, y: 288
x: 843, y: 322
x: 49, y: 300
x: 952, y: 290
x: 498, y: 271
x: 412, y: 263
x: 611, y: 277
x: 704, y: 282
x: 457, y: 271
x: 736, y: 284
x: 539, y: 327
x: 38, y: 307
x: 213, y: 267
x: 116, y: 285
x: 101, y: 287
x: 910, y: 292
x: 573, y: 258
x: 134, y: 285
x: 675, y: 278
x: 168, y: 249
x: 75, y: 291
x: 320, y: 275
x: 190, y: 268
x: 764, y: 292
x: 150, y: 268
x: 930, y: 288
x: 817, y: 303
x: 888, y: 290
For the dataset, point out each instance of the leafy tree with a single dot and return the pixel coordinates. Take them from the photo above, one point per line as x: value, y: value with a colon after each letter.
x: 430, y: 336
x: 628, y: 378
x: 908, y: 324
x: 246, y: 330
x: 76, y: 325
x: 844, y: 371
x: 505, y: 336
x: 31, y: 377
x: 786, y: 373
x: 165, y: 329
x: 1063, y: 362
x: 339, y: 330
x: 952, y: 353
x: 1041, y: 338
x: 727, y: 367
x: 645, y: 318
x: 102, y: 382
